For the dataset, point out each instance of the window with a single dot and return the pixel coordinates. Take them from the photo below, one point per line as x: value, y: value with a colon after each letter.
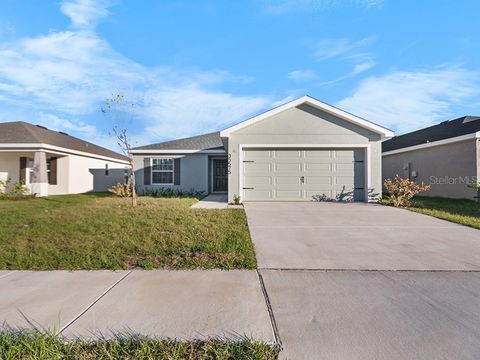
x: 30, y: 169
x: 106, y: 169
x: 162, y: 171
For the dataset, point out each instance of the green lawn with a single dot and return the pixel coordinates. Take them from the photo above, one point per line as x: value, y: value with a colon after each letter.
x: 38, y: 346
x: 98, y: 231
x: 461, y: 211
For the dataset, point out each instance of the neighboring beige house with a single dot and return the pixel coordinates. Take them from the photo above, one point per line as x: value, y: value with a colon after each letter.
x: 53, y: 163
x: 446, y: 156
x: 299, y: 151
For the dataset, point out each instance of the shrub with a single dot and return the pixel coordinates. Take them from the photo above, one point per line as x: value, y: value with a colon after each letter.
x: 402, y: 190
x: 121, y: 190
x: 174, y: 193
x: 476, y: 186
x: 15, y: 191
x: 236, y: 199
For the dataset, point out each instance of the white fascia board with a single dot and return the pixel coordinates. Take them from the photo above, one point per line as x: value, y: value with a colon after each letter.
x: 55, y: 149
x: 384, y: 132
x: 306, y: 146
x: 433, y: 143
x: 166, y: 151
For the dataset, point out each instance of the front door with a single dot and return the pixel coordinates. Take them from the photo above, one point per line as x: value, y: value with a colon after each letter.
x: 220, y: 175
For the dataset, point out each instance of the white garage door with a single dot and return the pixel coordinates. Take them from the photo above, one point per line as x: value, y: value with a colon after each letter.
x: 303, y: 174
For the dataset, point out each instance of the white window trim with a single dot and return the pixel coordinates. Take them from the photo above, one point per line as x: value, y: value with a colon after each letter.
x: 172, y: 171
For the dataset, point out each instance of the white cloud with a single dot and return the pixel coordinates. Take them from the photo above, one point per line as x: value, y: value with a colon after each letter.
x: 279, y: 7
x: 85, y: 13
x: 302, y: 75
x: 330, y: 48
x: 409, y: 100
x: 54, y: 122
x: 346, y: 50
x: 68, y: 74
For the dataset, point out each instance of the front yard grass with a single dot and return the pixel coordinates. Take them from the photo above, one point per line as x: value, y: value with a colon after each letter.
x: 460, y: 211
x: 32, y: 345
x: 98, y: 231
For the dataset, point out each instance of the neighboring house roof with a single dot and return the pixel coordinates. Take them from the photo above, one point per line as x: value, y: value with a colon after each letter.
x: 19, y: 132
x: 450, y: 129
x: 308, y: 100
x: 211, y: 141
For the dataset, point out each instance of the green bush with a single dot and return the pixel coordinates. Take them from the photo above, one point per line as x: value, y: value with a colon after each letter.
x: 14, y: 191
x: 174, y: 193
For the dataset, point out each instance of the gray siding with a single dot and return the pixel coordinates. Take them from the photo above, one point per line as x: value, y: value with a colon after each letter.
x: 193, y: 172
x: 304, y: 125
x: 444, y: 167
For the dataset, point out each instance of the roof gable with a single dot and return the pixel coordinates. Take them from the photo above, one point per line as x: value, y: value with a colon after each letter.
x: 307, y: 100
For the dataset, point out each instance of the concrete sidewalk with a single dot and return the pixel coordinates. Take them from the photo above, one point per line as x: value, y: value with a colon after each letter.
x: 160, y: 303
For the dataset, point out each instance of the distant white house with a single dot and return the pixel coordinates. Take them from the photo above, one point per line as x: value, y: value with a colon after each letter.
x: 54, y: 163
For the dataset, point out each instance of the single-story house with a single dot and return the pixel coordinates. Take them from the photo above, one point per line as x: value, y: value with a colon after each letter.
x: 298, y: 151
x: 54, y: 163
x: 446, y: 156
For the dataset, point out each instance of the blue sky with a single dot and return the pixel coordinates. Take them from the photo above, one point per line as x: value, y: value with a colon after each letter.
x: 197, y: 66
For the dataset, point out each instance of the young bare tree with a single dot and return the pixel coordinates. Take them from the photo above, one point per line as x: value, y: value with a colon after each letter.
x: 118, y: 108
x: 123, y: 141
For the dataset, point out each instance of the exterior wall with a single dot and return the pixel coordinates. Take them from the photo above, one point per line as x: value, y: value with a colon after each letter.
x: 75, y: 174
x: 304, y: 125
x: 10, y: 165
x: 88, y: 174
x: 63, y: 177
x: 447, y: 168
x: 193, y: 172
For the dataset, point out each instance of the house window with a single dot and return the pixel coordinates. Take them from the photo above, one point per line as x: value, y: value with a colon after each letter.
x: 29, y: 178
x: 106, y: 169
x: 162, y: 171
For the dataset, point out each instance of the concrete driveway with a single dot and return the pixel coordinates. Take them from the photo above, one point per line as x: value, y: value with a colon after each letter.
x: 312, y: 258
x: 358, y: 236
x: 391, y: 315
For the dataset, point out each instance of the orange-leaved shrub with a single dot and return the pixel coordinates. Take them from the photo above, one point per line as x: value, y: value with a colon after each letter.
x: 121, y: 190
x: 402, y: 190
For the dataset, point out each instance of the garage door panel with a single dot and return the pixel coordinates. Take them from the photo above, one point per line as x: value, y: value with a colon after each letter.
x: 287, y: 167
x: 345, y: 167
x: 257, y: 154
x: 287, y: 180
x: 288, y: 194
x: 258, y: 180
x: 316, y: 154
x: 318, y: 167
x: 296, y: 154
x: 278, y: 174
x: 318, y: 180
x: 344, y: 180
x: 344, y: 154
x: 258, y: 195
x: 310, y: 194
x: 256, y: 167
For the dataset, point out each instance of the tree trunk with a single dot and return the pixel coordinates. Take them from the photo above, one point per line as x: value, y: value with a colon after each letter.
x: 132, y: 182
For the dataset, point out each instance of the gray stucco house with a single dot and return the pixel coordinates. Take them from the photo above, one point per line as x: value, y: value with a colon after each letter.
x: 296, y: 151
x: 446, y: 156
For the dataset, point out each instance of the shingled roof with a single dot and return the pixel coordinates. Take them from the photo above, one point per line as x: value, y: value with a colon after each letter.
x: 211, y: 141
x: 19, y: 132
x: 445, y: 130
